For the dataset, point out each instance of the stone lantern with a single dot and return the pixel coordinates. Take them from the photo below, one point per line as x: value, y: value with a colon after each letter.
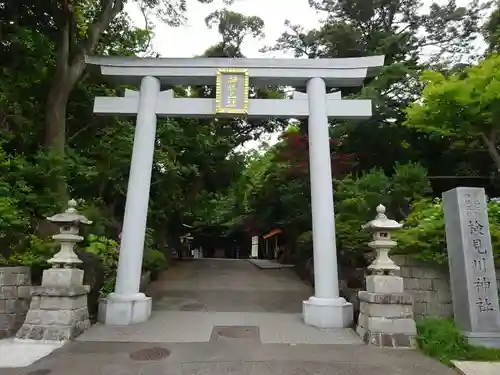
x: 386, y: 311
x: 382, y: 227
x: 58, y: 309
x: 67, y: 237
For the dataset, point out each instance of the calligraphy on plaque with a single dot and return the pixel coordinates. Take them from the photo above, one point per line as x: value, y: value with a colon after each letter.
x: 232, y: 91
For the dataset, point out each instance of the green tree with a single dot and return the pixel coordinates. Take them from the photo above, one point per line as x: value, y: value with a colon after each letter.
x: 491, y: 30
x: 412, y: 37
x: 464, y: 106
x: 80, y: 26
x: 233, y: 27
x: 71, y: 30
x: 28, y: 60
x: 194, y: 158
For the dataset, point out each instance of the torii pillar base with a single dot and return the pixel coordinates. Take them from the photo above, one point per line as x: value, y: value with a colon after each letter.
x: 327, y: 313
x: 118, y: 310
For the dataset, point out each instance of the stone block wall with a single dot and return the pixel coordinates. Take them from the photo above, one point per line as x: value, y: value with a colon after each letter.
x: 429, y: 286
x: 15, y: 288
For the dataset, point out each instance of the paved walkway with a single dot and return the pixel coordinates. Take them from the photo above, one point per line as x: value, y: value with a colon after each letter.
x: 216, y: 317
x: 228, y: 286
x: 477, y: 368
x: 195, y: 297
x: 188, y: 326
x: 231, y: 357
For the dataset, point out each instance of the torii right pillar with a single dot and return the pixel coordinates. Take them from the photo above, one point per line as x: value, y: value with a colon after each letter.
x: 326, y: 309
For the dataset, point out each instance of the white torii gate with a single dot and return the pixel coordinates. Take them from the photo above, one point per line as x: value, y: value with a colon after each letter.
x: 232, y: 77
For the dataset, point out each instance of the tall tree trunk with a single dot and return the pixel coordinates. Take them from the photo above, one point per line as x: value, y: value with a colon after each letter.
x: 55, y: 116
x: 55, y: 134
x: 491, y: 144
x: 57, y: 101
x: 69, y: 68
x: 55, y: 119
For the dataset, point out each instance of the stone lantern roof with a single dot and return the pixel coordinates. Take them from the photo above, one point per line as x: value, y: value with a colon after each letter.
x: 382, y: 222
x: 69, y: 216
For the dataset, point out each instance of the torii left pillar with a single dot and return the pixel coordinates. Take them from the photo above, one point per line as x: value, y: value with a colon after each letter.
x: 127, y: 305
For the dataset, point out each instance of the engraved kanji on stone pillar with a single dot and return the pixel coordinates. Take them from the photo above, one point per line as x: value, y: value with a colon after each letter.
x: 472, y: 265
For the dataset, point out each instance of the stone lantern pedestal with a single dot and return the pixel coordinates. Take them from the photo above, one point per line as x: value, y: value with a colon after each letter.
x: 58, y: 309
x: 386, y: 311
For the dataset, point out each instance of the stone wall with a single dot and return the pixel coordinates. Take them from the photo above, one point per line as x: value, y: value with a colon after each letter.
x: 430, y: 287
x: 15, y: 287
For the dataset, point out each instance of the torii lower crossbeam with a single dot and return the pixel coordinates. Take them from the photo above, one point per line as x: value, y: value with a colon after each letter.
x: 298, y: 107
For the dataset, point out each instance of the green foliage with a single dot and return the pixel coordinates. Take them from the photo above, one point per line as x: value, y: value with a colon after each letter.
x: 461, y: 104
x: 423, y: 234
x: 198, y: 177
x: 13, y: 223
x: 464, y: 105
x: 36, y: 253
x: 304, y: 247
x: 442, y: 340
x: 491, y: 31
x: 154, y: 261
x: 193, y: 158
x: 356, y: 199
x: 233, y: 27
x: 436, y: 37
x: 108, y: 253
x: 273, y: 190
x: 106, y: 249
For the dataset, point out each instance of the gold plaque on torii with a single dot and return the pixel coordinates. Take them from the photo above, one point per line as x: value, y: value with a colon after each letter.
x: 232, y: 91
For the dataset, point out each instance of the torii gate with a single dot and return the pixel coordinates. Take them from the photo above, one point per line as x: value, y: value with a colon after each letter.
x: 233, y: 77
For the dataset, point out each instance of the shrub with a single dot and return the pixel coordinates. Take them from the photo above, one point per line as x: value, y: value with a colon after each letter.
x: 357, y: 197
x: 108, y: 252
x: 36, y: 254
x: 424, y: 233
x: 154, y: 261
x: 304, y: 249
x: 105, y: 248
x: 440, y: 339
x: 40, y: 250
x: 13, y: 223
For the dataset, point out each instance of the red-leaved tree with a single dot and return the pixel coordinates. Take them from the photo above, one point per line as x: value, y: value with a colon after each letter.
x: 294, y: 155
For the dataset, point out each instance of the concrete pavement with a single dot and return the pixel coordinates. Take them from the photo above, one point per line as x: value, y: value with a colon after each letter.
x: 236, y: 357
x: 228, y: 285
x: 215, y: 317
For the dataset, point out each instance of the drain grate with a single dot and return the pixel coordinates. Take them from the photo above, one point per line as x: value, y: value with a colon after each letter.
x: 235, y: 332
x: 150, y: 354
x: 40, y: 371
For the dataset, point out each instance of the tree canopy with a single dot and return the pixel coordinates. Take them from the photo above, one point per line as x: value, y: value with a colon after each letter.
x: 429, y: 131
x: 464, y: 105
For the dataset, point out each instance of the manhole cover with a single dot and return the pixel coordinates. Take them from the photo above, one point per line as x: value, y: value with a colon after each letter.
x: 236, y: 332
x: 150, y: 354
x: 40, y: 371
x: 193, y: 307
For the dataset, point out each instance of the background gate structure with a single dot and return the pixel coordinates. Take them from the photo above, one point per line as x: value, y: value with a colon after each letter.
x: 233, y: 77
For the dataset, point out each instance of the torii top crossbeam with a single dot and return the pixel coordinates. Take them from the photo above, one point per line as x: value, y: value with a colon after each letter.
x: 345, y: 72
x: 233, y: 78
